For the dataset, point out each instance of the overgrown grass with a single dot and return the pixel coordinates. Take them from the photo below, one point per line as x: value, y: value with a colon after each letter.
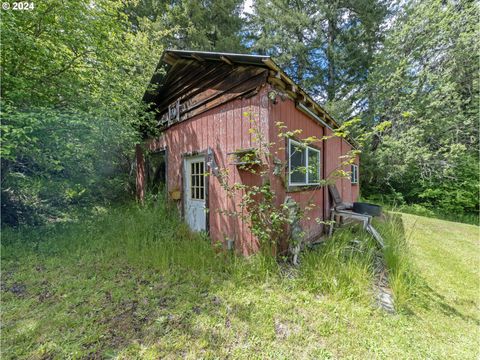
x: 397, y: 255
x: 342, y: 266
x: 150, y: 237
x: 134, y: 282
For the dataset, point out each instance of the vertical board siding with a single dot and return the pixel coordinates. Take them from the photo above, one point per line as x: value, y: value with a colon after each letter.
x: 331, y: 152
x: 335, y: 148
x: 286, y: 112
x: 224, y: 129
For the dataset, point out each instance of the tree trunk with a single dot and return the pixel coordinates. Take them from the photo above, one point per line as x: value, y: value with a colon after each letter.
x: 332, y: 24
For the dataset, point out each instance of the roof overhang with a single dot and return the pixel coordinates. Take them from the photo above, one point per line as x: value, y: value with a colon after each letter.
x: 307, y: 104
x: 171, y: 56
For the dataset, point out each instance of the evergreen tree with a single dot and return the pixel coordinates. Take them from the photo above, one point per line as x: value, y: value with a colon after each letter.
x: 195, y: 25
x: 326, y: 46
x: 287, y: 31
x: 425, y: 83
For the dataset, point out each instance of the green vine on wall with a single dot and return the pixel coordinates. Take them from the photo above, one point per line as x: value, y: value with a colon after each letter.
x: 270, y: 219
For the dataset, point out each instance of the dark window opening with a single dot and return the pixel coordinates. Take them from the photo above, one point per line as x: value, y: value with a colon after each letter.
x: 156, y: 175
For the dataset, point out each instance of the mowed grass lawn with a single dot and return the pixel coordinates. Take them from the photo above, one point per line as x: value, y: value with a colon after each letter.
x: 95, y: 291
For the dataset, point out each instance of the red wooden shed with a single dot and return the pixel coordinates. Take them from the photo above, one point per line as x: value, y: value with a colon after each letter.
x: 201, y: 104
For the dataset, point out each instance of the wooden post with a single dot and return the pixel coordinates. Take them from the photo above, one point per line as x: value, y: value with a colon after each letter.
x: 140, y: 179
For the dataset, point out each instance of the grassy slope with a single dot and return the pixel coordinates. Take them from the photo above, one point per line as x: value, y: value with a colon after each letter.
x: 112, y: 296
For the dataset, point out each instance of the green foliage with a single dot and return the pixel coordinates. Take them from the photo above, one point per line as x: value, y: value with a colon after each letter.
x: 72, y: 80
x: 287, y: 31
x: 82, y: 55
x: 327, y: 47
x: 426, y: 87
x: 193, y: 25
x: 55, y: 163
x: 134, y: 282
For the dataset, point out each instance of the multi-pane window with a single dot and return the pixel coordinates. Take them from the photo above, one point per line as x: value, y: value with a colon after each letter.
x: 354, y: 174
x: 303, y: 164
x: 197, y: 181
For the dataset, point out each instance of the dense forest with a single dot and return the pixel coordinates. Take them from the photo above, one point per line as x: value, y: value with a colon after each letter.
x: 74, y: 72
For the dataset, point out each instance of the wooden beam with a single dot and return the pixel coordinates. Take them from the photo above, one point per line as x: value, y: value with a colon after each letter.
x: 217, y: 98
x: 226, y: 85
x: 291, y: 94
x: 198, y: 58
x: 170, y: 58
x: 276, y: 82
x: 227, y: 60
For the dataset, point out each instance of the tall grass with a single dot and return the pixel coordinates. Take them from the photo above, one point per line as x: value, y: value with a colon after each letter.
x: 342, y: 265
x: 472, y: 218
x: 398, y: 259
x: 151, y: 236
x: 154, y: 237
x: 345, y: 264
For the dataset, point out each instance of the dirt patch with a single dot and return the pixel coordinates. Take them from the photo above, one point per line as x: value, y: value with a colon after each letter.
x: 46, y: 292
x: 18, y: 289
x: 216, y: 301
x: 45, y: 295
x: 126, y: 325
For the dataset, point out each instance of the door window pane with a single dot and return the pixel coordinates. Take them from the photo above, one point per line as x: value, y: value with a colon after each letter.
x: 197, y: 181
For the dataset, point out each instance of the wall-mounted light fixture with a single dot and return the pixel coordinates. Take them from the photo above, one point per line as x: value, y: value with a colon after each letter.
x: 272, y: 96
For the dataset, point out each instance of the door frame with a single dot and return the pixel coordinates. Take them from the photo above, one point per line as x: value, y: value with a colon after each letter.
x: 185, y: 156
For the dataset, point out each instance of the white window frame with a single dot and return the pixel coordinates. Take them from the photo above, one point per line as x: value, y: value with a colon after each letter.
x: 307, y: 148
x: 354, y: 175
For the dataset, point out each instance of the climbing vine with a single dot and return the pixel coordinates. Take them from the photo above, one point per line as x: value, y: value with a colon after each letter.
x: 271, y: 220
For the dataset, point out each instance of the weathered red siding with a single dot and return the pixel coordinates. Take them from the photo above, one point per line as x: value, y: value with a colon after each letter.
x: 286, y: 112
x: 224, y: 129
x: 331, y: 152
x: 335, y: 148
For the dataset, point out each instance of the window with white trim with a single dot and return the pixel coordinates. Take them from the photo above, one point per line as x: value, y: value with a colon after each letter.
x: 303, y: 164
x: 354, y: 174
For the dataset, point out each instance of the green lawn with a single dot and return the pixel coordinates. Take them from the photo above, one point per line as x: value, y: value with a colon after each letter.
x: 92, y: 291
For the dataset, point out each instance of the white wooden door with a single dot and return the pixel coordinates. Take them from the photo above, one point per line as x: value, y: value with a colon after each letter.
x: 194, y: 193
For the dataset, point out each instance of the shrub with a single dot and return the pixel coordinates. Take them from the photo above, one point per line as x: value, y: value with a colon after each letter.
x: 55, y: 163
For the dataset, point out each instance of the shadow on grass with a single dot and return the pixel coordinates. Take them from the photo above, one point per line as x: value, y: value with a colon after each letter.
x: 398, y: 254
x: 428, y: 298
x: 138, y: 278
